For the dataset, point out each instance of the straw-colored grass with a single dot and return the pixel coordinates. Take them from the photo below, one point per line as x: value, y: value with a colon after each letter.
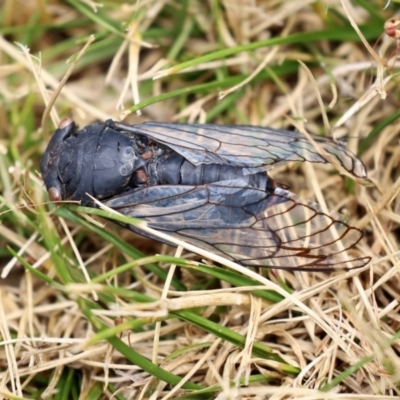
x: 89, y: 310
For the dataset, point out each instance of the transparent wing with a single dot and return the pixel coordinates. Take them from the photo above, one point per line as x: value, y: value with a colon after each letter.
x: 253, y: 147
x: 247, y: 225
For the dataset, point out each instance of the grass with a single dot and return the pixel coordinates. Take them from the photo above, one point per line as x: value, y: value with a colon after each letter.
x: 90, y: 310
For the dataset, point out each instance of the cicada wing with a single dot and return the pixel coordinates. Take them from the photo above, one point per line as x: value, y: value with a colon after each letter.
x: 247, y: 225
x: 310, y: 238
x: 253, y: 147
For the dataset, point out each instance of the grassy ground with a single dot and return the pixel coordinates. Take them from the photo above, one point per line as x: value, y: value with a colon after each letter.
x: 88, y: 310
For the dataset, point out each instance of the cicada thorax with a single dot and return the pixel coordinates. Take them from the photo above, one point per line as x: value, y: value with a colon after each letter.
x: 96, y: 160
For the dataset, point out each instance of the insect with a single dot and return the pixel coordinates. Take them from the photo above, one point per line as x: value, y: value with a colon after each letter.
x: 391, y: 27
x: 207, y: 185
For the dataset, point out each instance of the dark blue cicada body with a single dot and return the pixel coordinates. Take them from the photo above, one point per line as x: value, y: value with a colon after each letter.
x: 207, y: 185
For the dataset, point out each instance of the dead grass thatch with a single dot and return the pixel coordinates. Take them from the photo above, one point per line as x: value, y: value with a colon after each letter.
x: 83, y: 314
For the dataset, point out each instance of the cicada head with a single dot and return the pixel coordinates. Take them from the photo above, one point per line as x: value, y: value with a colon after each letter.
x: 96, y: 160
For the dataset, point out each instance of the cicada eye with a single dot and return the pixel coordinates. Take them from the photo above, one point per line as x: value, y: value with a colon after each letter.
x: 54, y: 194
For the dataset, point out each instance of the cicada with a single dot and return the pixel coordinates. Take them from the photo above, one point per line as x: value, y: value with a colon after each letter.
x: 207, y: 185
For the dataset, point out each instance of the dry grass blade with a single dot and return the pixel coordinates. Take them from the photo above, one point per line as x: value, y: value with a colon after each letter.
x: 90, y: 310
